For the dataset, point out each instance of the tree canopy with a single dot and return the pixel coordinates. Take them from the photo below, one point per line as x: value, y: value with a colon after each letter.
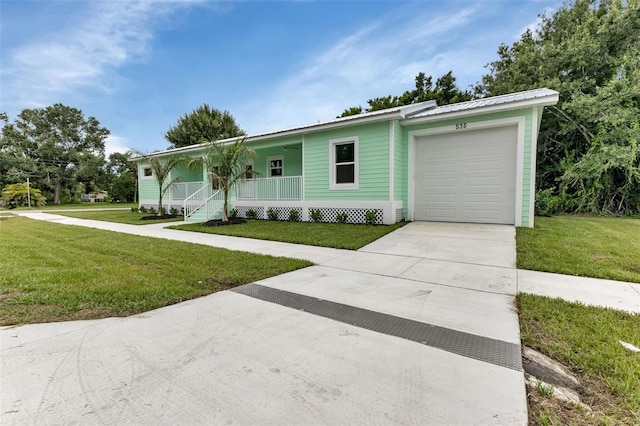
x: 445, y: 91
x: 589, y: 51
x: 55, y: 146
x: 203, y: 124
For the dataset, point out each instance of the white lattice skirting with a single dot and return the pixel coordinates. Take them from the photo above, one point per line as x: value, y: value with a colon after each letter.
x: 385, y: 212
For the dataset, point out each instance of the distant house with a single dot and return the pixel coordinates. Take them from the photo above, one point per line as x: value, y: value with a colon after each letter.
x: 473, y: 161
x: 94, y: 197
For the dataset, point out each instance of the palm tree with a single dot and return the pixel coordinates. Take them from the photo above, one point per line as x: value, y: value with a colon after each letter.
x: 161, y: 168
x: 226, y: 165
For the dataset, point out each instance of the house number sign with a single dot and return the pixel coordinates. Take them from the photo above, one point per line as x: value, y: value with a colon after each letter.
x: 460, y: 126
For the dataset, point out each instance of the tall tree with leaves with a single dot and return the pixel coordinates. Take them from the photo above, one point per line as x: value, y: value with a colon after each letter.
x: 123, y: 176
x: 56, y: 145
x: 445, y: 91
x: 226, y: 166
x: 589, y: 51
x: 203, y: 123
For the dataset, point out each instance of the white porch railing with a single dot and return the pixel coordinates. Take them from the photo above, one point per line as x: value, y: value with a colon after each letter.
x: 288, y: 188
x: 183, y: 190
x: 198, y: 199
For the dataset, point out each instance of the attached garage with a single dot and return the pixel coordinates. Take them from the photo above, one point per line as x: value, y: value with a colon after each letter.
x: 467, y: 176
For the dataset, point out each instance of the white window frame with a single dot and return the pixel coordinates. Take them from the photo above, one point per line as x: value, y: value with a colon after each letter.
x: 142, y: 172
x: 332, y: 163
x: 269, y: 160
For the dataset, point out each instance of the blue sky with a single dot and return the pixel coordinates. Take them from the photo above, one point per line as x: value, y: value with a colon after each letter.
x: 137, y: 66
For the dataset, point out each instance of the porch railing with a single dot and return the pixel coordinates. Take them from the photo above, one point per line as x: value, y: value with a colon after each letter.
x: 194, y: 201
x: 183, y: 190
x: 287, y: 188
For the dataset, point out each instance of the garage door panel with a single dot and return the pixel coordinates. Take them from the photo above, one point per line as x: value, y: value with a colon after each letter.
x: 467, y: 177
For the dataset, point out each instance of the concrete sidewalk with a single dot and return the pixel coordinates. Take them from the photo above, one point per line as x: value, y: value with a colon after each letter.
x: 418, y: 327
x: 481, y: 263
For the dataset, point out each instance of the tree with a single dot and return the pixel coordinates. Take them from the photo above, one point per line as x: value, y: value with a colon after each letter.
x: 587, y: 50
x: 203, y: 123
x: 123, y: 178
x: 226, y: 165
x: 56, y: 146
x: 444, y: 92
x: 161, y: 168
x: 20, y: 195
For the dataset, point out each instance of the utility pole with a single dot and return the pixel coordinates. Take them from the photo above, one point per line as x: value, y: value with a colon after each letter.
x: 28, y: 192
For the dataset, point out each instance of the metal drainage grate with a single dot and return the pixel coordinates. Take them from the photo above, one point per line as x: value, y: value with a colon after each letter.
x: 498, y: 352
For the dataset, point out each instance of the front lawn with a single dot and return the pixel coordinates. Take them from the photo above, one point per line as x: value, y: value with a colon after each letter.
x: 75, y: 206
x: 119, y: 216
x: 586, y: 339
x: 336, y: 235
x: 54, y: 272
x: 600, y: 247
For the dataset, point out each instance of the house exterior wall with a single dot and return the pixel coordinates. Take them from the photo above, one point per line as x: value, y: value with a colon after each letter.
x: 373, y: 163
x: 399, y: 167
x: 147, y: 186
x: 292, y: 158
x: 527, y: 156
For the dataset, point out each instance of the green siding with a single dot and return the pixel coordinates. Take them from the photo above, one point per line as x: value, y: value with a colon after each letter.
x: 400, y: 153
x: 373, y: 163
x: 186, y: 174
x: 527, y: 113
x: 147, y: 187
x: 292, y: 157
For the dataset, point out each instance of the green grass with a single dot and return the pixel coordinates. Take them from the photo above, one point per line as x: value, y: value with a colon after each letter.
x: 587, y: 340
x: 336, y: 235
x: 119, y: 216
x: 81, y: 206
x: 53, y: 272
x: 600, y: 247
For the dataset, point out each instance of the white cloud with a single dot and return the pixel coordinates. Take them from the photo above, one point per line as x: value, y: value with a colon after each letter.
x: 533, y: 26
x: 381, y: 58
x: 115, y: 143
x: 107, y: 35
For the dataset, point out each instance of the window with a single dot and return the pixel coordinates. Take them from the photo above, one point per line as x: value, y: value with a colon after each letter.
x: 275, y: 166
x: 343, y: 157
x: 147, y: 172
x: 249, y: 173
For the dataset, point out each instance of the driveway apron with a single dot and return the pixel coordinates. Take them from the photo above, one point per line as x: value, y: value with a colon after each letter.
x: 418, y: 327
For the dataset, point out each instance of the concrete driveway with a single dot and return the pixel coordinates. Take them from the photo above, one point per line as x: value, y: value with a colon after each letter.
x: 418, y: 327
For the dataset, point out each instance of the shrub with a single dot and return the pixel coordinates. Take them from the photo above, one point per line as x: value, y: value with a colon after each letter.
x: 233, y: 214
x: 143, y: 209
x: 294, y: 215
x: 134, y: 210
x: 547, y: 204
x: 272, y: 214
x: 173, y: 211
x: 15, y: 195
x: 370, y: 217
x: 341, y: 217
x: 251, y: 214
x: 151, y: 210
x: 316, y: 215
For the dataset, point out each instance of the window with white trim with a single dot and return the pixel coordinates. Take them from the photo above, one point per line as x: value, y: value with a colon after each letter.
x: 343, y: 160
x: 275, y: 166
x: 147, y: 172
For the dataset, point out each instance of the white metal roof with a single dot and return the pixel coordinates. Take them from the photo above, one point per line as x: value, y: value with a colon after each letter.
x: 515, y: 99
x: 408, y: 114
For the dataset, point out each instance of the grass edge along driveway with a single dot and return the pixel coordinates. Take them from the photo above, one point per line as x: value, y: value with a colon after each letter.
x: 590, y: 246
x: 118, y: 216
x: 336, y: 235
x: 53, y: 272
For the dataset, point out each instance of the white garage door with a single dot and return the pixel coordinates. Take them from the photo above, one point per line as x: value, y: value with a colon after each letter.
x: 467, y: 176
